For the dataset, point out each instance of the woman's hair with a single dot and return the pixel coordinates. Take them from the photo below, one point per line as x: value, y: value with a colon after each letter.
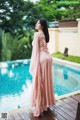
x: 45, y: 29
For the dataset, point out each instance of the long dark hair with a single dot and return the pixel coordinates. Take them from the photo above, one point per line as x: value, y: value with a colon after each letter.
x: 44, y: 28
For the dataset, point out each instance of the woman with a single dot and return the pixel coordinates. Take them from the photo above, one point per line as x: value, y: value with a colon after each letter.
x: 41, y: 70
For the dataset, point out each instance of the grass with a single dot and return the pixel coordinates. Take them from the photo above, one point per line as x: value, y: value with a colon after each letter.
x: 71, y: 58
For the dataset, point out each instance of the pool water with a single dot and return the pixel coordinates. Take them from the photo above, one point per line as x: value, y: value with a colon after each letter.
x: 66, y: 79
x: 16, y: 83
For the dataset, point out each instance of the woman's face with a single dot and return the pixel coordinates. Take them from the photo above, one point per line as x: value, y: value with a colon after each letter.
x: 38, y: 25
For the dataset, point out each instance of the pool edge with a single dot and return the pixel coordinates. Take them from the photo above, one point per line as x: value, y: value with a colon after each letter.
x: 67, y: 95
x: 65, y: 62
x: 56, y: 97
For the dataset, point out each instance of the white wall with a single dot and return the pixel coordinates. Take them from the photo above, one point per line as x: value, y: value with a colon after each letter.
x: 51, y: 44
x: 65, y: 37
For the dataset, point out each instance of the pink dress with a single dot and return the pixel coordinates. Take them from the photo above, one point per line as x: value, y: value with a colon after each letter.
x: 42, y: 95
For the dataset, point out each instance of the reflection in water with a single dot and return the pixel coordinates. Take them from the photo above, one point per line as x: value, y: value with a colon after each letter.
x: 11, y: 74
x: 4, y: 65
x: 11, y: 102
x: 66, y: 80
x: 13, y: 65
x: 15, y: 85
x: 65, y: 73
x: 4, y: 71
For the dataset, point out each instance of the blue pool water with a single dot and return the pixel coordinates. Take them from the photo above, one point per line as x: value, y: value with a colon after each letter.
x: 16, y: 83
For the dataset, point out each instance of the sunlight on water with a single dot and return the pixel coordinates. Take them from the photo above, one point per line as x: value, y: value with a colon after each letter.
x: 8, y: 102
x: 4, y: 71
x: 2, y: 65
x: 11, y: 74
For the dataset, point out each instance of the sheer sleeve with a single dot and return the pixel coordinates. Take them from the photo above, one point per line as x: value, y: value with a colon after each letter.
x: 35, y: 57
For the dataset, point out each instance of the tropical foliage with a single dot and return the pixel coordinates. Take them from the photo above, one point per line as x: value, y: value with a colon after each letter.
x: 18, y: 15
x: 18, y: 18
x: 14, y: 48
x: 17, y: 22
x: 60, y: 9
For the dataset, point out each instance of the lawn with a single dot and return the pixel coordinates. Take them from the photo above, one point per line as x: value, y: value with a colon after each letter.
x: 71, y: 58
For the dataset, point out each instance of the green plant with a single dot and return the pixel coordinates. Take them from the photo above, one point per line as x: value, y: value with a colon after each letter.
x: 69, y: 58
x: 16, y: 47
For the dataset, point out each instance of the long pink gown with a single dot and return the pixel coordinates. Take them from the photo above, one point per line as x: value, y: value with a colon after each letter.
x: 42, y: 95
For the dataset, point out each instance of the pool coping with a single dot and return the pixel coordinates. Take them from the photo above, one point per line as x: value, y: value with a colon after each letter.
x: 55, y: 60
x: 57, y: 98
x: 65, y: 62
x: 67, y: 95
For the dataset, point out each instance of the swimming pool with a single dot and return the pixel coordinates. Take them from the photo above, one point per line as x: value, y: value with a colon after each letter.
x: 16, y: 83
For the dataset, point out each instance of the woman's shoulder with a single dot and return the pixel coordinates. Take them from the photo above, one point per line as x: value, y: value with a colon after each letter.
x: 38, y: 34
